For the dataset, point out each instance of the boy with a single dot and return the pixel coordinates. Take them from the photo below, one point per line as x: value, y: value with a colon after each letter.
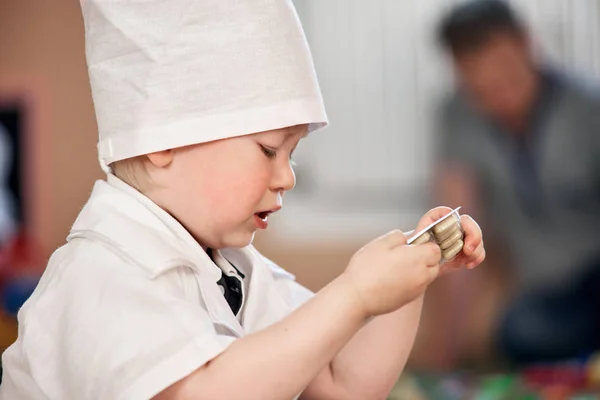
x: 158, y: 292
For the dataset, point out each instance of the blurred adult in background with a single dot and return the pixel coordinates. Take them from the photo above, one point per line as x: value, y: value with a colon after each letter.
x: 520, y: 150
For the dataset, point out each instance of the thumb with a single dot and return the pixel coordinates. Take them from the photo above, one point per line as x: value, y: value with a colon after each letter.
x: 433, y: 272
x: 392, y: 239
x: 428, y: 254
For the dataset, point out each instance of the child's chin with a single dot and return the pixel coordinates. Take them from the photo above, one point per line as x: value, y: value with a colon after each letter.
x: 240, y: 240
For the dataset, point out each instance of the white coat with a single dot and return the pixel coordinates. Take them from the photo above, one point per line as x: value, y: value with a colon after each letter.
x: 130, y: 305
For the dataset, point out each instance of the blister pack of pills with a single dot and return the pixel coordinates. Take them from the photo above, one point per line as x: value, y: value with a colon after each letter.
x: 446, y: 232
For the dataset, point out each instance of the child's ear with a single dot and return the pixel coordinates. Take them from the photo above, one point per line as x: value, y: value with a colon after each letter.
x: 161, y: 159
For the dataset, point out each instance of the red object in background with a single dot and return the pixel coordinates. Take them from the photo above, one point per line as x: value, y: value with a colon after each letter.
x: 556, y: 379
x: 557, y: 392
x: 20, y: 256
x: 21, y: 266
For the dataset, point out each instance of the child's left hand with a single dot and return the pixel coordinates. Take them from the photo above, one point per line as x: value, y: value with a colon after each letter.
x: 473, y: 252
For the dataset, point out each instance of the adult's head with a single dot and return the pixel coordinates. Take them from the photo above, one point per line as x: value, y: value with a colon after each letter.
x: 492, y: 58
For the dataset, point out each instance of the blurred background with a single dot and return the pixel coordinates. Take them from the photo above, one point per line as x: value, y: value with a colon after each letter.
x: 490, y: 108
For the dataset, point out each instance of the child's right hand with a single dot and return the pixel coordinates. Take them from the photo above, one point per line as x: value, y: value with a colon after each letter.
x: 386, y: 274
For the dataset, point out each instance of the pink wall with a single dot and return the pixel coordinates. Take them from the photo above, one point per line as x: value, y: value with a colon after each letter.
x: 42, y: 58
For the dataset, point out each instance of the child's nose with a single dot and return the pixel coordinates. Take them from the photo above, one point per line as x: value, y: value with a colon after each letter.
x: 284, y: 178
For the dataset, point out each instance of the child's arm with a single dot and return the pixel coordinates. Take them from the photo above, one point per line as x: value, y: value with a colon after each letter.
x: 370, y: 364
x: 372, y: 361
x: 280, y: 362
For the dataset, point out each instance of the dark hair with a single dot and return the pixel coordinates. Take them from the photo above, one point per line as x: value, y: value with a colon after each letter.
x: 469, y: 26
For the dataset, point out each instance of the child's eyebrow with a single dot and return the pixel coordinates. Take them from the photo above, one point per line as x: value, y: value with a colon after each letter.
x: 292, y: 131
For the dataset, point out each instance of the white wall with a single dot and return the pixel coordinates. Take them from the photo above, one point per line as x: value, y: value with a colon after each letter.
x: 381, y: 73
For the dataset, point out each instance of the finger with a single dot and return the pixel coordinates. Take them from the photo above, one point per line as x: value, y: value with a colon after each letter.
x: 480, y: 258
x: 468, y: 261
x: 473, y: 259
x: 477, y: 252
x: 392, y: 239
x: 458, y: 262
x: 428, y: 254
x: 432, y: 215
x: 445, y: 269
x: 473, y: 235
x: 465, y: 259
x: 432, y: 273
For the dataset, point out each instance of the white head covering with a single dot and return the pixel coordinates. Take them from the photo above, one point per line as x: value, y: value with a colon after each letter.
x: 166, y: 74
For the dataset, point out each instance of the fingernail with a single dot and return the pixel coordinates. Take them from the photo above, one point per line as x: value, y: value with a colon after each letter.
x: 470, y: 249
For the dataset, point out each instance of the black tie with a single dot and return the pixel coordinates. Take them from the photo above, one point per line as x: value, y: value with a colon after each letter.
x: 231, y: 286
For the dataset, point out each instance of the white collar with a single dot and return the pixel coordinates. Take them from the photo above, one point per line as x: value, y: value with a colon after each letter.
x: 140, y: 229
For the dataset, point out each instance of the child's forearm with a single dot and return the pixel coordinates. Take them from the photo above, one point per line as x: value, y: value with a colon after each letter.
x: 280, y: 361
x: 372, y: 361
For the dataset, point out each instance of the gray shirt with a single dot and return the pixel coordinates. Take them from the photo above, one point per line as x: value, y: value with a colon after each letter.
x: 540, y: 196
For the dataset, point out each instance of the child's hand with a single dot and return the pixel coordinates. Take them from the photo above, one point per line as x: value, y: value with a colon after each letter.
x: 387, y: 274
x: 473, y: 252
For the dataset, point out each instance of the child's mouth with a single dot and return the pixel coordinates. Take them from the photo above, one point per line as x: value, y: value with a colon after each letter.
x: 263, y: 215
x: 261, y: 219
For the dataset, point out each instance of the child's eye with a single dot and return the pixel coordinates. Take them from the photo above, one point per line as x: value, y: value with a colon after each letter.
x: 270, y: 153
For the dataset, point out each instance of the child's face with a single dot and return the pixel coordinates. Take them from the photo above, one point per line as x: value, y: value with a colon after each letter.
x: 222, y: 191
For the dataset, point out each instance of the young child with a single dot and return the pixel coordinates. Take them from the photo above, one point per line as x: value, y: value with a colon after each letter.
x: 158, y: 292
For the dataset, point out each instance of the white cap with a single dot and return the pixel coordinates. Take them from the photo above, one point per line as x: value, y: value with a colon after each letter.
x: 166, y: 74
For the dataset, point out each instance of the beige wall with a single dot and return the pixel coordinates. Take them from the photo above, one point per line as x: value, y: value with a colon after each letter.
x: 42, y: 57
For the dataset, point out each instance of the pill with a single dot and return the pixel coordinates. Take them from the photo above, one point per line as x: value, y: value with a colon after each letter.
x: 453, y: 251
x: 424, y: 238
x: 442, y: 236
x: 445, y: 224
x: 446, y: 244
